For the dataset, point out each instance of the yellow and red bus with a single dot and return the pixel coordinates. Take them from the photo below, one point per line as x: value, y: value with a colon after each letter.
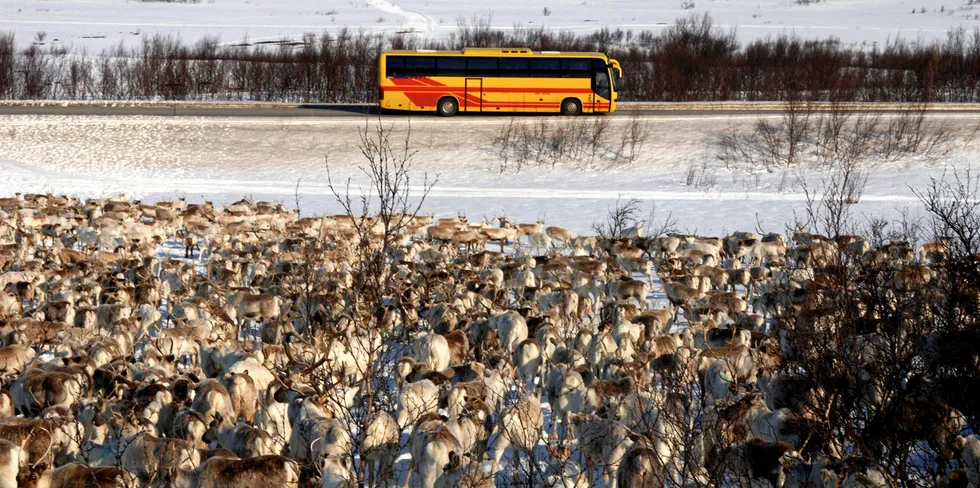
x: 480, y: 80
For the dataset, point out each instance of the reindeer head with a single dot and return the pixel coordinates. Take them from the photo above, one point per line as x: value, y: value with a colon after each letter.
x: 454, y: 462
x: 31, y: 477
x: 211, y: 435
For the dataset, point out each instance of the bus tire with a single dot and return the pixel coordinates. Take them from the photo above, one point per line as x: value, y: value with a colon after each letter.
x: 571, y: 106
x: 448, y: 106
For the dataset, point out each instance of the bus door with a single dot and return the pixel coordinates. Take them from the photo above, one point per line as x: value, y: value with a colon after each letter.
x: 601, y: 89
x: 473, y: 95
x: 601, y: 86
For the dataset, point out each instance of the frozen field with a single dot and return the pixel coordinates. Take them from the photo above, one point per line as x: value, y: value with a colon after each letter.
x: 223, y: 160
x: 96, y: 24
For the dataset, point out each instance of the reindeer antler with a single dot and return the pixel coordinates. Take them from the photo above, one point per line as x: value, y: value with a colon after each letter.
x: 48, y: 450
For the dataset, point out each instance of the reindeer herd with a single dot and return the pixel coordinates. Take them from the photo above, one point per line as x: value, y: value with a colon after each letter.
x: 184, y: 345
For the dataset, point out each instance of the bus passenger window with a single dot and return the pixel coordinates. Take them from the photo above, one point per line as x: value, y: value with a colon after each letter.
x: 481, y: 67
x: 450, y: 66
x: 575, y: 68
x: 513, y: 67
x: 420, y: 65
x: 394, y: 66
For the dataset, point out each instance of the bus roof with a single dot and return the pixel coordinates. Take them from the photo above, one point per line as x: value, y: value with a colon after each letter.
x: 483, y: 51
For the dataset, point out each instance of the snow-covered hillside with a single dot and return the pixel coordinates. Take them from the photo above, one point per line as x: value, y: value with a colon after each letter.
x: 223, y: 160
x: 96, y: 24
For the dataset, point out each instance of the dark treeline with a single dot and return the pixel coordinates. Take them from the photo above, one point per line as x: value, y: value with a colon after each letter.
x: 689, y: 61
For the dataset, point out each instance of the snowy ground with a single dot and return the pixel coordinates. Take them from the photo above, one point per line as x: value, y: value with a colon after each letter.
x: 96, y: 24
x: 222, y: 160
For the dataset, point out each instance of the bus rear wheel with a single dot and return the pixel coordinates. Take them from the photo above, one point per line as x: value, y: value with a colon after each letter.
x: 571, y: 106
x: 448, y: 106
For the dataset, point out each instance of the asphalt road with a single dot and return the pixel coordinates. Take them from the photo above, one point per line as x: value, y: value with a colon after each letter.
x: 341, y: 110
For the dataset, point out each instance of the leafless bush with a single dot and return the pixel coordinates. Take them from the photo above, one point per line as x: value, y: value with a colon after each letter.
x: 797, y: 116
x: 502, y: 143
x: 597, y: 133
x: 624, y: 215
x: 838, y: 137
x: 548, y: 142
x: 378, y: 216
x: 828, y: 208
x: 844, y: 135
x: 831, y: 126
x: 883, y: 383
x: 700, y: 176
x: 911, y: 133
x: 952, y: 202
x: 972, y: 134
x: 770, y: 145
x: 626, y: 219
x: 633, y: 137
x: 757, y: 149
x: 907, y: 228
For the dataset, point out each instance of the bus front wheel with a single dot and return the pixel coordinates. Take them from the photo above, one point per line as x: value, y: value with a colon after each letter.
x: 448, y: 106
x: 571, y: 106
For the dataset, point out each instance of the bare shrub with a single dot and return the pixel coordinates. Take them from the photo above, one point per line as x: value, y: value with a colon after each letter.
x: 972, y: 134
x: 378, y: 216
x: 626, y: 219
x: 502, y: 143
x: 621, y: 217
x: 952, y: 202
x: 907, y: 228
x: 843, y: 135
x: 911, y: 133
x: 597, y: 133
x: 633, y: 137
x: 838, y: 137
x: 757, y: 149
x: 771, y: 145
x: 828, y: 208
x: 700, y: 176
x: 831, y: 126
x: 547, y: 142
x: 797, y: 116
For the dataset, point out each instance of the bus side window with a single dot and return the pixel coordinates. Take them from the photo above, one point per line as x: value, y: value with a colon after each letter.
x: 545, y: 67
x: 576, y: 68
x: 514, y: 67
x: 450, y: 66
x: 481, y: 67
x: 420, y: 65
x: 394, y: 66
